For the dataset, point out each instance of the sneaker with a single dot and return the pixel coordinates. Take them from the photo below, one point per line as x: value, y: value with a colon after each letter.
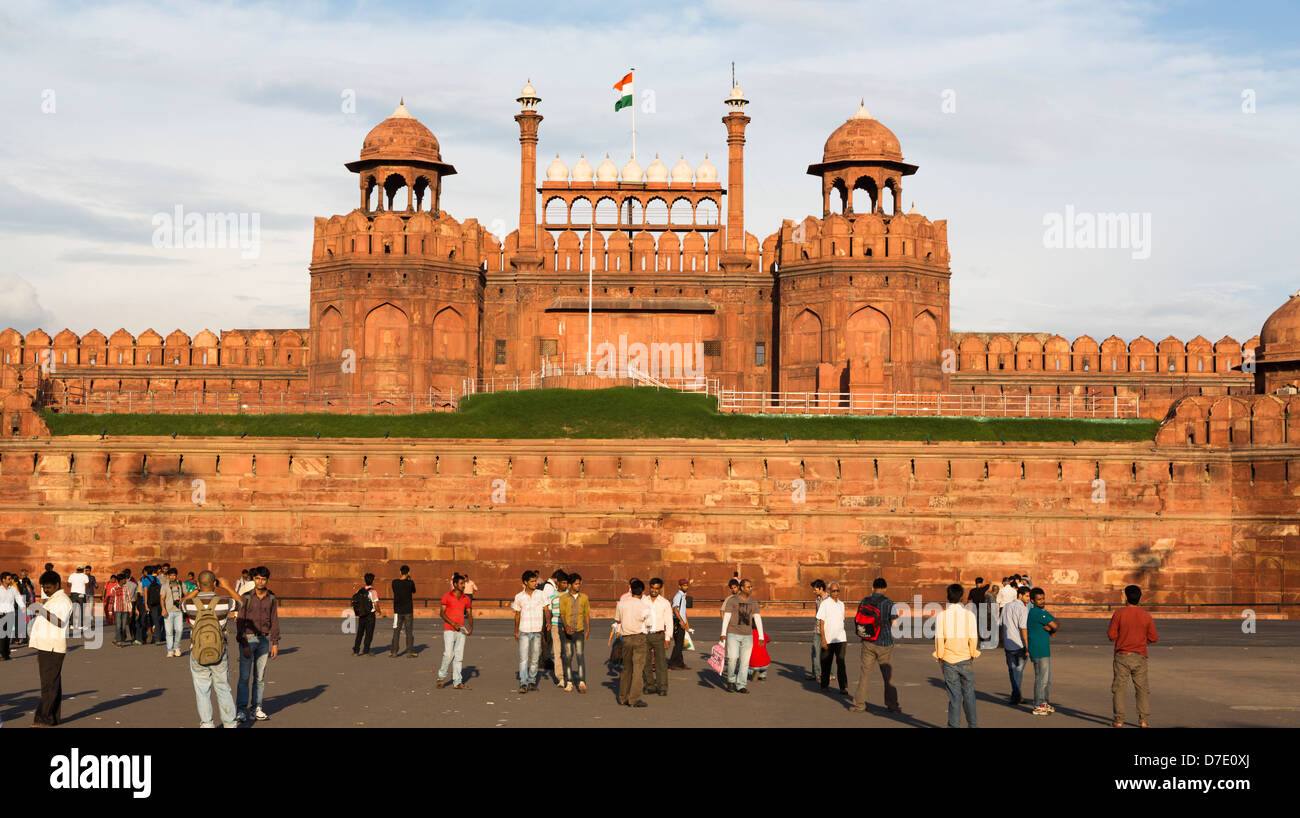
x: 568, y: 688
x: 641, y: 704
x: 440, y: 684
x: 1040, y: 710
x: 410, y: 655
x: 582, y: 687
x: 208, y: 724
x: 742, y: 690
x: 523, y: 688
x: 808, y: 677
x: 731, y: 687
x: 532, y: 686
x: 1050, y: 709
x: 241, y: 716
x: 260, y: 715
x: 856, y: 709
x: 461, y: 686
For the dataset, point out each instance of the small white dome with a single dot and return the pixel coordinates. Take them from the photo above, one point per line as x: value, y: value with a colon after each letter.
x: 632, y: 172
x: 607, y: 171
x: 862, y: 112
x: 657, y: 172
x: 706, y: 172
x: 557, y: 171
x: 401, y: 112
x: 582, y: 171
x: 736, y: 93
x: 682, y: 171
x: 529, y: 90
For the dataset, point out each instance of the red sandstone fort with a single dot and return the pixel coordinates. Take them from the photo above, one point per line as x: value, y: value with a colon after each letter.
x: 407, y: 300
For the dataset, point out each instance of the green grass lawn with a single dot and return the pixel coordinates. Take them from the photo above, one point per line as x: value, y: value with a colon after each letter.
x: 621, y: 412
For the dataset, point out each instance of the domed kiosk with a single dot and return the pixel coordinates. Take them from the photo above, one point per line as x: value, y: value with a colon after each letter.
x: 862, y: 154
x: 398, y: 153
x: 1277, y: 362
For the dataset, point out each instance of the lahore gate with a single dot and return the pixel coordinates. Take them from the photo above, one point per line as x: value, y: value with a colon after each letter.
x: 407, y: 302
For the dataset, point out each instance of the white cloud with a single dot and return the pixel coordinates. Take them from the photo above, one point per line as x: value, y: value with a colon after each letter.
x: 237, y: 108
x: 20, y: 305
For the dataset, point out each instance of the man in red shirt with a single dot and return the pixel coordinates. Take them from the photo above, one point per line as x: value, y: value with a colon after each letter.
x: 457, y: 624
x: 1131, y: 629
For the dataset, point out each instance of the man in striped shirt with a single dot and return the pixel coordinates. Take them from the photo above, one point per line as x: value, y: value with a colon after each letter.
x: 210, y: 678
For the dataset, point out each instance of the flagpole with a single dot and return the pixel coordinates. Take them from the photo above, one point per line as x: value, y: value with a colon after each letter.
x: 591, y: 261
x: 632, y: 71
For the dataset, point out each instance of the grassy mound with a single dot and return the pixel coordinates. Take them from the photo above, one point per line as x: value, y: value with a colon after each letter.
x: 621, y: 412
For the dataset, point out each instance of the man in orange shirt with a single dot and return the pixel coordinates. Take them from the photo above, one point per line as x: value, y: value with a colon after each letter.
x: 1131, y: 629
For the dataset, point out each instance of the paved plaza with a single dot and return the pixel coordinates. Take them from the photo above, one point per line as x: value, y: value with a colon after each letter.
x: 1203, y: 674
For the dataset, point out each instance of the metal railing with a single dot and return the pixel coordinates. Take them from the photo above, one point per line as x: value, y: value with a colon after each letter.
x: 931, y: 405
x: 256, y: 403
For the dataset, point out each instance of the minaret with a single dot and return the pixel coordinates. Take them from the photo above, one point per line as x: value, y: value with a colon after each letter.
x: 528, y: 257
x: 734, y: 258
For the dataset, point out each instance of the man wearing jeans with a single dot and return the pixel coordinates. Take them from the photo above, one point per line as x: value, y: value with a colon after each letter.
x: 173, y: 620
x: 1039, y: 627
x: 956, y: 647
x: 530, y: 608
x: 681, y: 625
x: 819, y: 594
x: 457, y: 624
x: 740, y: 619
x: 1015, y: 618
x: 211, y: 678
x: 259, y: 638
x: 575, y: 621
x: 404, y: 612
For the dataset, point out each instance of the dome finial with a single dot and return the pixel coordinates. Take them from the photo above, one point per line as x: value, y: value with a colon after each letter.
x: 862, y: 112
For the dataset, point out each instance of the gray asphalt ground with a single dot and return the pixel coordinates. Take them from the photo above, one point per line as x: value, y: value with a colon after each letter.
x: 1203, y: 674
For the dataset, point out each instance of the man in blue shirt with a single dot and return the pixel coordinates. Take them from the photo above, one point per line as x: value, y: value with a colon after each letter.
x: 878, y: 651
x: 1039, y: 627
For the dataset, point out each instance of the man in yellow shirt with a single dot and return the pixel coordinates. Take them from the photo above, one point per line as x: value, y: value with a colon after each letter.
x: 956, y: 646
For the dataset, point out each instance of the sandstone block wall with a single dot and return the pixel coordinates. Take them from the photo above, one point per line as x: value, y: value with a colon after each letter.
x: 1189, y: 521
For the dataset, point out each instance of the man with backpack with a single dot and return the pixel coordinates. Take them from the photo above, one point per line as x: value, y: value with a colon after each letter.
x: 151, y: 590
x: 365, y: 604
x: 207, y: 607
x: 874, y: 623
x: 258, y: 634
x: 404, y: 612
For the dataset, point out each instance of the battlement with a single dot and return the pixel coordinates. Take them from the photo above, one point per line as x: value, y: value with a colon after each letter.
x: 1040, y: 352
x: 362, y: 234
x: 1245, y: 421
x: 864, y: 236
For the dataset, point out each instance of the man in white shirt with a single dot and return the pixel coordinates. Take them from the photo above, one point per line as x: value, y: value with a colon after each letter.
x: 531, y: 612
x: 245, y: 584
x: 10, y: 596
x: 552, y: 651
x: 1015, y: 619
x: 631, y: 618
x: 50, y: 642
x: 659, y: 639
x: 77, y: 593
x: 831, y: 635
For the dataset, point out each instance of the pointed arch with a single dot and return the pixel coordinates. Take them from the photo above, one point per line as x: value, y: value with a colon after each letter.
x: 866, y: 335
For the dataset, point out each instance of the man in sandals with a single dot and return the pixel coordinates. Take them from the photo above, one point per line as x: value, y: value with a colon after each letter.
x: 457, y: 625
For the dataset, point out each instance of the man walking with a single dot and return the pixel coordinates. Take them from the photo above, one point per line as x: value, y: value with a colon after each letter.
x: 1039, y: 627
x: 208, y: 607
x: 173, y: 618
x: 50, y: 643
x: 77, y: 594
x: 404, y: 612
x: 682, y: 625
x: 1015, y: 620
x: 457, y: 625
x: 740, y: 618
x: 819, y: 595
x: 258, y: 634
x: 575, y: 619
x: 659, y: 636
x: 632, y: 616
x: 28, y: 594
x: 877, y: 648
x: 830, y: 632
x: 91, y: 587
x: 1131, y: 629
x: 151, y: 589
x: 552, y: 653
x: 530, y: 609
x: 956, y: 646
x: 366, y: 616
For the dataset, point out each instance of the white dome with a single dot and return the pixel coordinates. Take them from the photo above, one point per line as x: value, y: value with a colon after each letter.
x: 529, y: 90
x: 557, y: 171
x: 657, y: 172
x: 682, y: 171
x: 607, y: 171
x: 706, y: 172
x: 862, y: 112
x: 582, y: 171
x: 736, y: 93
x: 632, y: 172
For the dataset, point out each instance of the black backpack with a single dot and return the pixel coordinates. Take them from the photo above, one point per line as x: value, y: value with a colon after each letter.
x: 153, y: 593
x: 869, y: 621
x: 361, y: 604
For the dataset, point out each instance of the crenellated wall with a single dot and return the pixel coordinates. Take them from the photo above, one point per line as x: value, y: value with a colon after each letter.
x: 1190, y: 520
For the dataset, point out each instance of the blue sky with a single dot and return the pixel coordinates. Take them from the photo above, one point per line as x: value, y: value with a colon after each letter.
x: 235, y: 107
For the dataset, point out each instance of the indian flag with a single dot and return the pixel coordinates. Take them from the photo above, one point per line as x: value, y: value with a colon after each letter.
x: 624, y: 87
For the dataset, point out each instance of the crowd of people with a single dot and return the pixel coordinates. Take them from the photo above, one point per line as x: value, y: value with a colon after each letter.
x: 552, y: 623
